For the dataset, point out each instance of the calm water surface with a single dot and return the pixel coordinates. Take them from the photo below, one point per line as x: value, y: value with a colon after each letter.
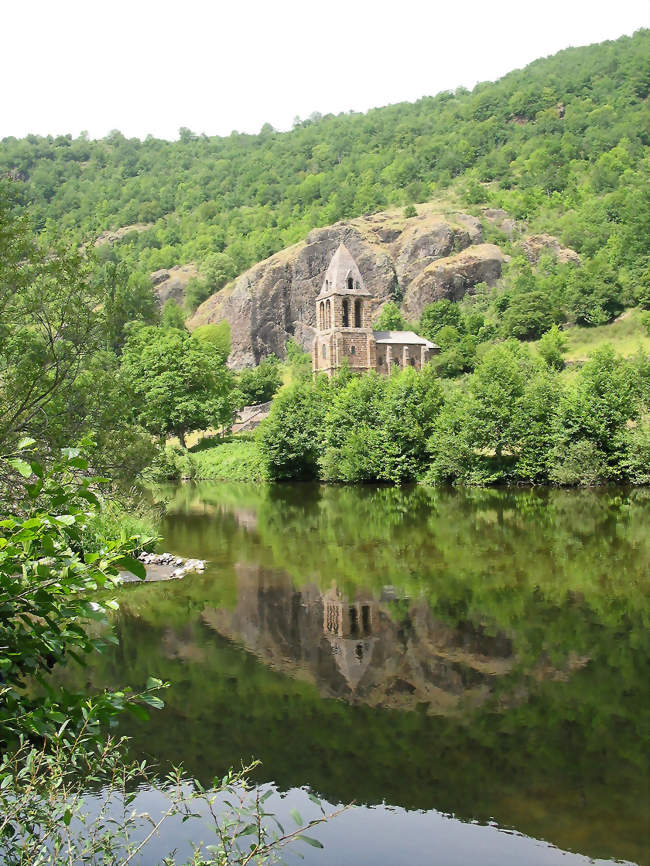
x: 470, y: 668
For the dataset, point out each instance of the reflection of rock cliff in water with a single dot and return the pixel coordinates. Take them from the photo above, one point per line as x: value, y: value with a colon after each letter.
x: 383, y: 652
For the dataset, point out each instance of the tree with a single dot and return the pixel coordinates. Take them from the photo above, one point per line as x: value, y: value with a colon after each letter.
x: 390, y: 318
x: 291, y: 438
x: 496, y: 386
x: 171, y: 315
x: 217, y: 269
x: 298, y: 361
x: 528, y: 316
x: 177, y: 383
x: 49, y: 323
x: 593, y: 416
x: 127, y: 297
x: 552, y: 346
x: 259, y: 384
x: 217, y: 334
x: 437, y: 315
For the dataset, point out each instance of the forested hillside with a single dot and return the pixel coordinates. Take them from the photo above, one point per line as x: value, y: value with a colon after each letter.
x: 541, y: 178
x: 561, y: 144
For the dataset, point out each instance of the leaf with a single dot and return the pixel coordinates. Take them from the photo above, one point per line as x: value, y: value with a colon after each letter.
x: 138, y: 711
x: 25, y: 442
x: 21, y: 466
x: 311, y: 841
x: 78, y: 463
x: 132, y: 565
x: 295, y: 814
x: 64, y: 519
x: 67, y: 817
x: 154, y: 683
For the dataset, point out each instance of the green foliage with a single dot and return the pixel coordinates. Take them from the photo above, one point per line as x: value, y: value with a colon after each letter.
x: 48, y: 576
x: 216, y: 269
x: 298, y: 362
x: 290, y: 439
x: 594, y: 293
x: 552, y: 346
x: 171, y: 315
x: 217, y: 334
x: 636, y: 464
x: 513, y: 419
x: 410, y: 211
x: 259, y: 384
x: 592, y: 418
x: 438, y: 315
x: 177, y: 383
x: 569, y: 155
x: 58, y: 381
x: 645, y: 320
x: 128, y: 297
x: 528, y: 316
x: 390, y: 318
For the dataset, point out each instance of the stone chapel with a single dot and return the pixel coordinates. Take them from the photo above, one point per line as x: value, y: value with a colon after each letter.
x: 344, y: 330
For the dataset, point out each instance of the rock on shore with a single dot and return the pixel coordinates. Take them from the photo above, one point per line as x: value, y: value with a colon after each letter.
x: 164, y: 566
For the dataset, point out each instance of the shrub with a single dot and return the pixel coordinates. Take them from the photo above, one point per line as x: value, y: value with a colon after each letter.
x: 259, y: 384
x: 290, y: 438
x: 552, y: 346
x: 579, y: 463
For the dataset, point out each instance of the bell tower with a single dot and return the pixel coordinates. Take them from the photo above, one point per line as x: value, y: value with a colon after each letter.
x: 343, y: 326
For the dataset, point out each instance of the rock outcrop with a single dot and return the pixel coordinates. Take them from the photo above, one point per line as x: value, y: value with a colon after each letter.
x: 454, y: 276
x: 172, y: 282
x: 274, y: 300
x: 534, y: 245
x: 109, y: 237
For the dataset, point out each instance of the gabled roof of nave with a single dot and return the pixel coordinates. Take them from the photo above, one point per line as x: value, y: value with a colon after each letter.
x: 341, y: 267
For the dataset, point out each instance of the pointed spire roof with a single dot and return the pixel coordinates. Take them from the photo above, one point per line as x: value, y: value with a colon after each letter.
x: 342, y: 268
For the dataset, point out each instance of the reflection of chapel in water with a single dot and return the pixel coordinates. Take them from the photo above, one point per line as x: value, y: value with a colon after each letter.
x: 348, y: 628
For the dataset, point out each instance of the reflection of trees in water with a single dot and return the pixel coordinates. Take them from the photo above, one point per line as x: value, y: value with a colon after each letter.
x: 459, y: 581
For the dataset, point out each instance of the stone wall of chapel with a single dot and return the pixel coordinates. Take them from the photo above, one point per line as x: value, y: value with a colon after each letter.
x: 356, y: 347
x: 405, y: 354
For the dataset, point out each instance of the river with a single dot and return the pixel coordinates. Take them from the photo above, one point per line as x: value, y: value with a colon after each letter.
x: 470, y: 668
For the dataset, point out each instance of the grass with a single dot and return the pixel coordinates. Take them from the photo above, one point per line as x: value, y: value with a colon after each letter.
x: 234, y: 459
x: 626, y: 336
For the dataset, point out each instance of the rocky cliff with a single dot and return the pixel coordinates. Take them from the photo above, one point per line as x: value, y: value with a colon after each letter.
x: 422, y: 258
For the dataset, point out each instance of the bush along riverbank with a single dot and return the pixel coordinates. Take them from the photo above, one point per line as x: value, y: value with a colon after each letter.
x: 56, y: 569
x: 516, y: 419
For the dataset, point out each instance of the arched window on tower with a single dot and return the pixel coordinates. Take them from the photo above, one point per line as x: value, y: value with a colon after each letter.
x: 328, y: 314
x: 321, y: 316
x: 357, y: 314
x: 350, y: 283
x: 346, y: 313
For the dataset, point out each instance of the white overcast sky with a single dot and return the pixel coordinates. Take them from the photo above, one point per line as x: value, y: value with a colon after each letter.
x: 152, y: 66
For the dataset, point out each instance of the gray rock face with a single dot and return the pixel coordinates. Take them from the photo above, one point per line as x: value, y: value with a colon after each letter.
x: 534, y: 245
x: 171, y: 282
x: 275, y: 299
x: 454, y: 276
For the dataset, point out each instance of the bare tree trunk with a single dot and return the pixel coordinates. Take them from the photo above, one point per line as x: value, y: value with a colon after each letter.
x: 181, y: 439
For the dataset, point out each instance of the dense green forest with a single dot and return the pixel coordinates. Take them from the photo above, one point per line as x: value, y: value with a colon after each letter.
x: 562, y: 144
